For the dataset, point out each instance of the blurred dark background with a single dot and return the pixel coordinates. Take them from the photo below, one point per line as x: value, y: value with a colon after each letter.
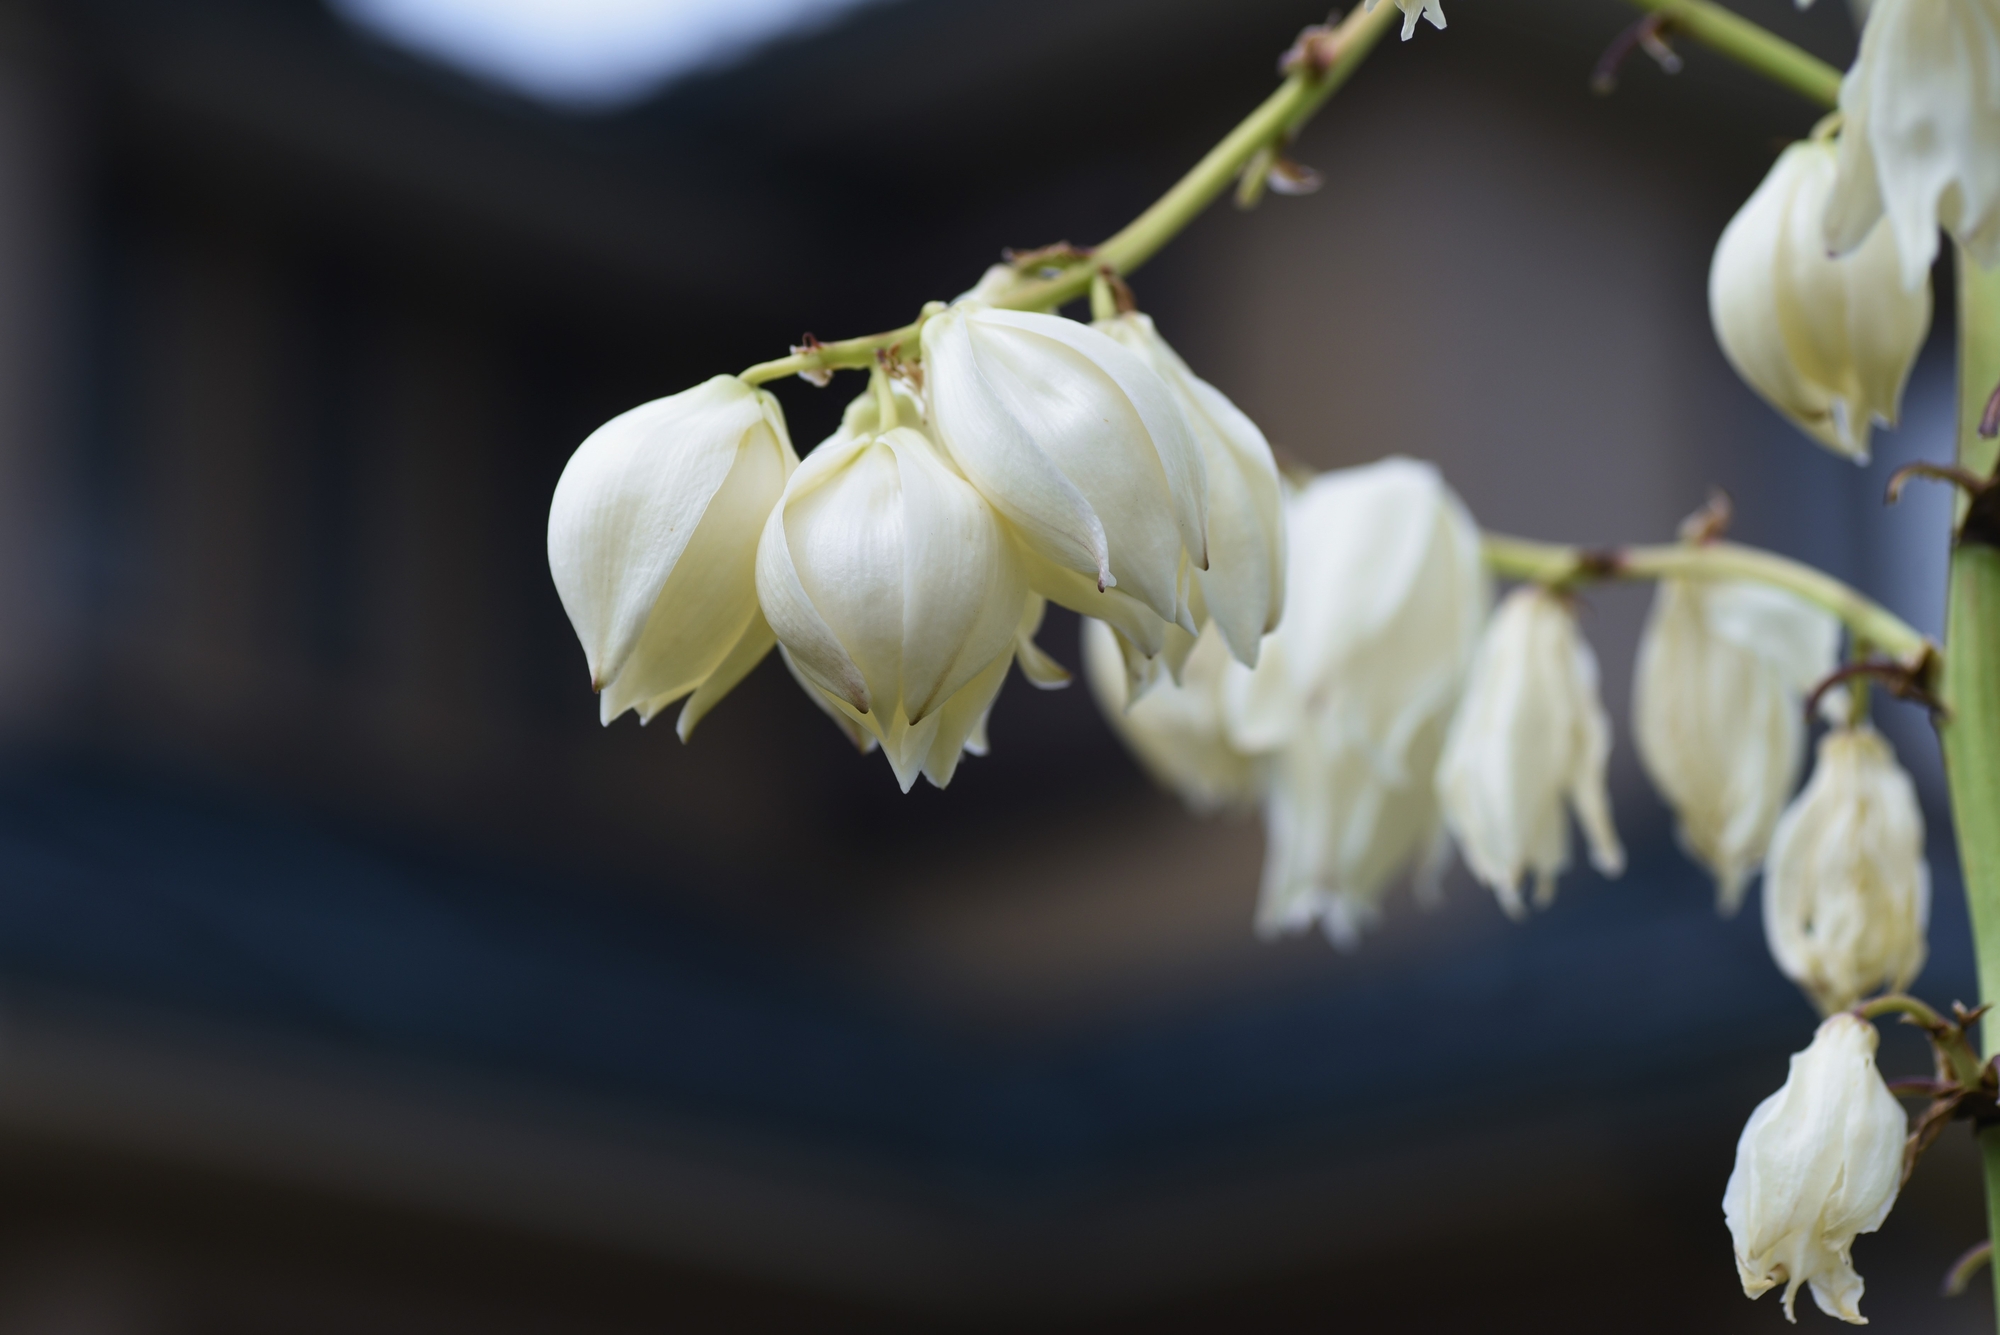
x: 352, y: 978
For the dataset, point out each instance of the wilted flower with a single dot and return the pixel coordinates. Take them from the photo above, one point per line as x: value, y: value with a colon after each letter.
x: 1819, y: 1162
x: 1082, y: 448
x: 1847, y: 893
x: 1529, y: 734
x: 896, y: 593
x: 1176, y: 729
x: 1385, y: 595
x: 1921, y: 133
x: 1243, y: 589
x: 1828, y: 342
x: 653, y: 543
x: 1723, y: 670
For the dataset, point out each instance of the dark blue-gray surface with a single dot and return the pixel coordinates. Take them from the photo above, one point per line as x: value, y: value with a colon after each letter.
x: 171, y: 896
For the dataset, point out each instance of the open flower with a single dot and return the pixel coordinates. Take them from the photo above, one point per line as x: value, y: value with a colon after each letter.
x: 1827, y: 341
x: 1724, y: 667
x: 1847, y: 893
x: 896, y: 592
x: 1076, y: 441
x: 1175, y: 729
x: 653, y: 542
x: 1529, y: 735
x: 1414, y: 10
x: 1818, y: 1163
x: 1921, y: 134
x: 1243, y: 589
x: 1385, y: 596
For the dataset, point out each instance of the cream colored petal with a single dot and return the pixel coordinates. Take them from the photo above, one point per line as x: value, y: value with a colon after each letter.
x: 710, y: 595
x: 828, y: 704
x: 1173, y: 451
x: 961, y: 723
x: 963, y: 582
x: 996, y: 450
x: 813, y: 650
x: 1042, y: 671
x: 628, y: 503
x: 1745, y: 295
x: 1244, y: 582
x: 755, y: 642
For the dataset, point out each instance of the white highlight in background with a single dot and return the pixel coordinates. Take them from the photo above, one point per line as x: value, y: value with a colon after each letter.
x: 586, y: 55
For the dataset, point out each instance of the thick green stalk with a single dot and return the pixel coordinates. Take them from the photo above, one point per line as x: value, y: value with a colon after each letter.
x: 1550, y: 563
x: 1279, y: 117
x: 1970, y: 729
x: 1749, y: 45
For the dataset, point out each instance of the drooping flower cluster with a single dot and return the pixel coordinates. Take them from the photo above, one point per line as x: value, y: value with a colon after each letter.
x: 904, y: 566
x: 1818, y: 289
x: 1819, y: 1163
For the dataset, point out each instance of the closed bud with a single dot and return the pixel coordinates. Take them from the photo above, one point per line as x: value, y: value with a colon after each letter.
x: 1847, y: 893
x: 1082, y: 448
x: 1385, y: 596
x: 1243, y: 589
x: 1175, y: 728
x: 896, y: 593
x: 1827, y: 341
x: 653, y: 536
x: 1529, y: 736
x: 1717, y: 699
x: 1920, y: 134
x: 1818, y: 1164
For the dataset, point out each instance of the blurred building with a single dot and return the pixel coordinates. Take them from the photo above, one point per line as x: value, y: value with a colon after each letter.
x: 352, y: 978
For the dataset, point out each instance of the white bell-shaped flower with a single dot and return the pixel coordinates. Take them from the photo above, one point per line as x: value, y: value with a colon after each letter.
x: 1724, y: 667
x: 1385, y: 597
x: 1920, y: 139
x: 1819, y: 1163
x: 1847, y: 893
x: 1827, y: 342
x: 1529, y: 735
x: 1243, y: 588
x: 896, y: 593
x: 1076, y: 441
x: 1176, y: 729
x: 1340, y: 830
x: 653, y: 535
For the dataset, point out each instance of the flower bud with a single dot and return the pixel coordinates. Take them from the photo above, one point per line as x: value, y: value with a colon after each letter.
x: 1243, y: 588
x: 653, y: 543
x: 1724, y: 667
x: 896, y: 593
x: 1529, y: 734
x: 1175, y: 729
x: 1081, y: 447
x: 1920, y: 136
x: 1385, y: 596
x: 1819, y: 1163
x: 1827, y: 342
x: 1847, y: 893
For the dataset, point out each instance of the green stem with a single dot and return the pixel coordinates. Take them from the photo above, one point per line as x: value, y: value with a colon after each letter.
x: 1970, y: 729
x: 1551, y: 563
x: 1280, y: 117
x: 1749, y: 45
